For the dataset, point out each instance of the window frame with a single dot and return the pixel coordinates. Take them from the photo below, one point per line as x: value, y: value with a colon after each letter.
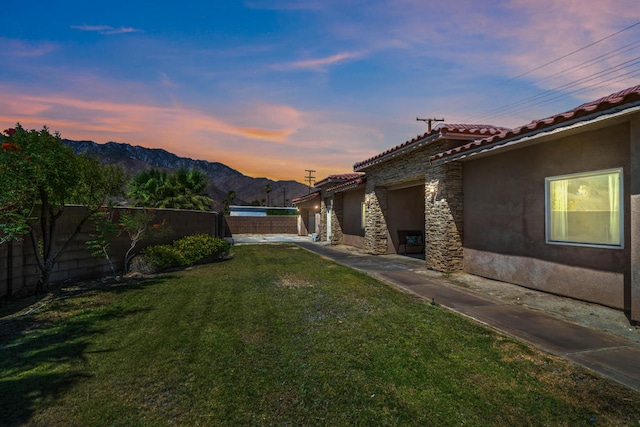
x: 547, y: 208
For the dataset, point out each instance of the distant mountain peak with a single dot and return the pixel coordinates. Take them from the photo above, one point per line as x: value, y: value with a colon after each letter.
x: 135, y: 159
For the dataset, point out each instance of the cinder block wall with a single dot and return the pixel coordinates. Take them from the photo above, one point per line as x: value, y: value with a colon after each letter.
x: 76, y: 263
x: 286, y: 224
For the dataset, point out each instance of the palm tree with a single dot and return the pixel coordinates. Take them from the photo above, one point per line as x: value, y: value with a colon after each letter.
x: 231, y: 195
x: 149, y: 188
x: 183, y: 189
x: 267, y: 189
x: 189, y: 189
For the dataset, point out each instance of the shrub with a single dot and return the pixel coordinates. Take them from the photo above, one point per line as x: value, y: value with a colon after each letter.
x: 201, y: 247
x: 162, y: 257
x: 186, y: 251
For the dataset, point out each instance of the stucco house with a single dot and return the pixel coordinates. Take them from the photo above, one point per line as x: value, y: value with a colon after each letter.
x: 348, y: 214
x: 308, y: 213
x: 329, y: 215
x: 553, y: 205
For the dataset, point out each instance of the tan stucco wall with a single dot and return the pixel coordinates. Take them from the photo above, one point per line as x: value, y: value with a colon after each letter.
x: 632, y: 297
x: 308, y: 217
x: 406, y: 212
x: 504, y: 218
x: 352, y: 200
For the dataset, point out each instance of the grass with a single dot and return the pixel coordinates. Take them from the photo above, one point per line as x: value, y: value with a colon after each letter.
x: 279, y: 336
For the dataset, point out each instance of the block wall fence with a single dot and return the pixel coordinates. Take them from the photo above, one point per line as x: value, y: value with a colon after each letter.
x: 19, y: 271
x: 276, y: 224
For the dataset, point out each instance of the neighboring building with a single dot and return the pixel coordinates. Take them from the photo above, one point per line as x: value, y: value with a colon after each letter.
x: 259, y: 211
x: 308, y: 214
x: 348, y: 221
x: 328, y: 224
x: 553, y: 205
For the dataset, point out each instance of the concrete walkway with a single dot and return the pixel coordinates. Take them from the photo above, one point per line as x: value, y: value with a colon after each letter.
x: 611, y: 355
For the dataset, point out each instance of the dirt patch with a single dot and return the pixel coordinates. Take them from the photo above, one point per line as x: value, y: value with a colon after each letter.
x: 579, y: 312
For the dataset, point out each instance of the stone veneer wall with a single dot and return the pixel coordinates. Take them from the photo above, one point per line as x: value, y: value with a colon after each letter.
x: 337, y: 218
x: 443, y: 204
x: 336, y: 230
x: 405, y: 168
x: 444, y: 217
x: 323, y: 218
x: 375, y: 230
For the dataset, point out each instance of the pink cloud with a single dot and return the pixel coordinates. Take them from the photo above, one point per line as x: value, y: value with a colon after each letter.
x: 318, y: 63
x: 256, y: 149
x: 19, y: 48
x: 127, y: 118
x: 542, y: 31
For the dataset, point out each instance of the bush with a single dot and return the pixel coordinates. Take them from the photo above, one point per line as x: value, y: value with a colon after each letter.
x: 162, y: 257
x: 201, y: 247
x: 187, y: 251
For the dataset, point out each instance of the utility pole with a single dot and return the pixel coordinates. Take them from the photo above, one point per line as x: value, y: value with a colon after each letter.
x: 429, y: 121
x: 309, y: 179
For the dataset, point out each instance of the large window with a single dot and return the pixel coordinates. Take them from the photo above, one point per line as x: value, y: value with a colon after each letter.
x: 585, y: 209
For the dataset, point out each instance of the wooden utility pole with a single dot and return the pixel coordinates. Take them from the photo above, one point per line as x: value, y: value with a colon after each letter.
x: 429, y: 121
x: 309, y: 179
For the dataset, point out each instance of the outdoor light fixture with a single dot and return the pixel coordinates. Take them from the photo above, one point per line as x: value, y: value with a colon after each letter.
x: 431, y: 190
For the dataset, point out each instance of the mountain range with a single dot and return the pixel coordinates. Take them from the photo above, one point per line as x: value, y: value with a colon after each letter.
x: 135, y: 159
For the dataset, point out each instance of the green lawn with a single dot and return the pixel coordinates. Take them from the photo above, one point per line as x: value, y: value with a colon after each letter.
x: 279, y: 336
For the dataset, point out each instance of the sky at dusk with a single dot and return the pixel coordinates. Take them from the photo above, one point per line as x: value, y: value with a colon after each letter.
x: 274, y: 87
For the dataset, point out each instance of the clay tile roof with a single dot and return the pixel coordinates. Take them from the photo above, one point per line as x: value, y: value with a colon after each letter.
x: 440, y: 130
x: 472, y: 129
x: 337, y: 178
x: 621, y: 98
x: 348, y: 185
x: 306, y: 197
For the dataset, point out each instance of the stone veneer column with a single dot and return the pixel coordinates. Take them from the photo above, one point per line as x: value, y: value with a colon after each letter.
x: 375, y: 231
x: 443, y: 214
x: 323, y: 219
x: 337, y: 218
x: 634, y: 292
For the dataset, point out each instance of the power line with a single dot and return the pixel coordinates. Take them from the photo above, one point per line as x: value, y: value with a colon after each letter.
x: 615, y: 79
x: 581, y: 66
x: 576, y: 51
x: 565, y: 86
x: 596, y: 60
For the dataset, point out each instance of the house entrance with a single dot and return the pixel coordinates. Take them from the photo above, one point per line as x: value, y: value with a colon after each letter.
x: 405, y: 220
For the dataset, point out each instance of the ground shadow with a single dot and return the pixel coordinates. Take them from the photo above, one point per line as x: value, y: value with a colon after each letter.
x: 41, y: 355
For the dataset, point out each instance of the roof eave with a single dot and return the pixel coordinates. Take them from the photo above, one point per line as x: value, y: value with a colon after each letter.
x: 306, y: 197
x: 410, y: 147
x: 347, y: 186
x: 615, y: 112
